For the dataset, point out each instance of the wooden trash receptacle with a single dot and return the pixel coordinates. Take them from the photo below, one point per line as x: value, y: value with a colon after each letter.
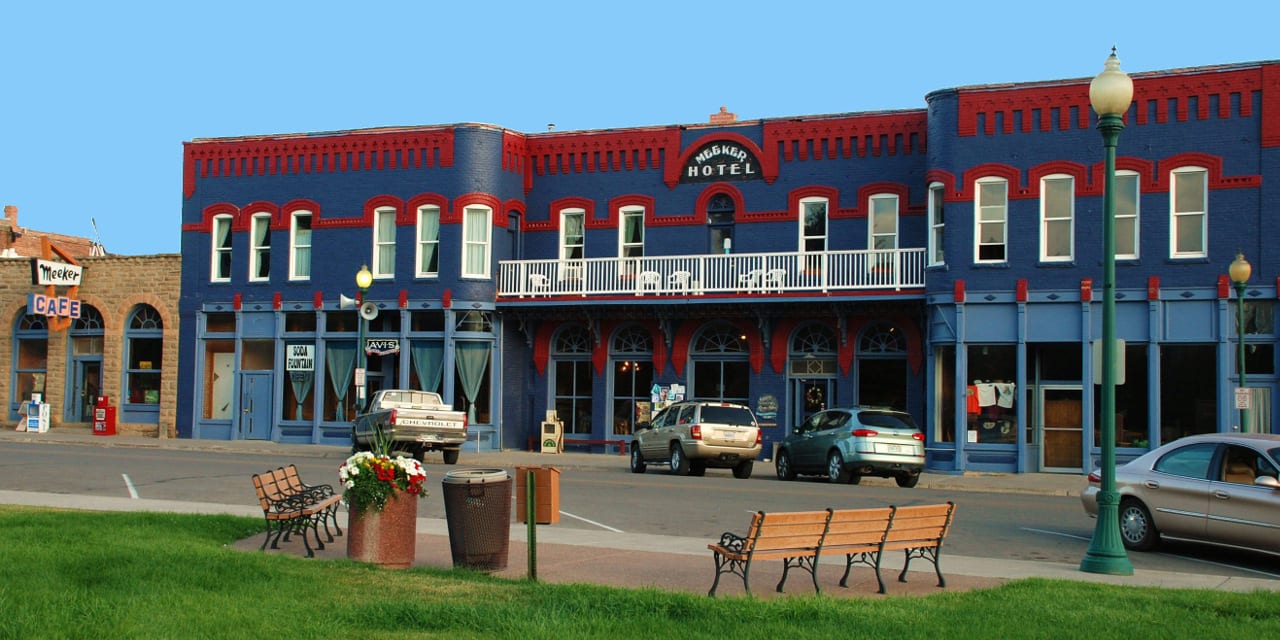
x: 546, y: 485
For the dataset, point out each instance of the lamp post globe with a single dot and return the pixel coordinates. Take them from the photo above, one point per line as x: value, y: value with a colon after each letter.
x: 364, y: 278
x: 1110, y: 94
x: 1239, y: 271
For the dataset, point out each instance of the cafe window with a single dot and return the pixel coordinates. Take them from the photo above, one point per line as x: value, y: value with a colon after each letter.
x: 144, y: 345
x: 30, y: 358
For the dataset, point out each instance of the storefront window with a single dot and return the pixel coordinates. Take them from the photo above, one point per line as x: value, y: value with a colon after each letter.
x: 1188, y: 390
x: 31, y: 358
x: 573, y: 377
x: 991, y: 396
x: 219, y: 387
x: 632, y: 352
x: 144, y: 340
x: 720, y: 367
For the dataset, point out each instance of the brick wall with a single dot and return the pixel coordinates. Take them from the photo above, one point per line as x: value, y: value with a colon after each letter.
x: 113, y: 285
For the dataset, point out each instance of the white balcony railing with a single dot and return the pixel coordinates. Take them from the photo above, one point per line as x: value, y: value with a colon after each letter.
x: 748, y: 273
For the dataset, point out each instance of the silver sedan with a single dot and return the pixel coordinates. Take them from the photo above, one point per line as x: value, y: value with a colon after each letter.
x: 1220, y: 488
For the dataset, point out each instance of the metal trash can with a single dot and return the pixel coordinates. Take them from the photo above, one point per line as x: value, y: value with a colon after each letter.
x: 477, y: 508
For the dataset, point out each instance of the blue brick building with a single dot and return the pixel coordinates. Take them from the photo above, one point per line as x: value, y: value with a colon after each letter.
x: 941, y: 260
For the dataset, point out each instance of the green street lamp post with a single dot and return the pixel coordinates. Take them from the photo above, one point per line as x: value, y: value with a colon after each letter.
x: 1240, y: 270
x: 1110, y: 94
x: 363, y: 279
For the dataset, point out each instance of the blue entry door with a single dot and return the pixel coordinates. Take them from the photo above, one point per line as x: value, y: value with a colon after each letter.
x: 255, y: 406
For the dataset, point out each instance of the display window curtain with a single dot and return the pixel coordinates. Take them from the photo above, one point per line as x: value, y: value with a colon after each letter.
x: 573, y: 236
x: 340, y: 361
x: 473, y: 359
x: 301, y: 381
x: 634, y: 231
x: 428, y: 363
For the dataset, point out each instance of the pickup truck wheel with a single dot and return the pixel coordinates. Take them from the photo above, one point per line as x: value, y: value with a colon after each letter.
x: 637, y: 460
x: 451, y: 456
x: 679, y: 463
x: 836, y: 472
x: 742, y: 470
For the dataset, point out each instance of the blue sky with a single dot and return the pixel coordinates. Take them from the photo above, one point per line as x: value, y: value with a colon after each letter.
x: 99, y: 97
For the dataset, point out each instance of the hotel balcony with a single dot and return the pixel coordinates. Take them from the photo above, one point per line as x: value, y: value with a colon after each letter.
x: 813, y: 274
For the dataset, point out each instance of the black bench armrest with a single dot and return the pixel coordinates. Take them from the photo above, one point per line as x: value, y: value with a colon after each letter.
x: 733, y: 542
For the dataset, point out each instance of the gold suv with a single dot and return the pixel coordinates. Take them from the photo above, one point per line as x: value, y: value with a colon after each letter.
x: 692, y: 435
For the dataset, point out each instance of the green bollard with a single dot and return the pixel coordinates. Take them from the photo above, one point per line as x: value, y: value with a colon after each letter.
x: 530, y: 517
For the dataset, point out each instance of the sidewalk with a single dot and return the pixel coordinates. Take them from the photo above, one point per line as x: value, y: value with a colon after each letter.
x: 567, y: 555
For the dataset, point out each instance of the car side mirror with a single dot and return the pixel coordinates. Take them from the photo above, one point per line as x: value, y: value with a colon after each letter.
x: 1267, y: 481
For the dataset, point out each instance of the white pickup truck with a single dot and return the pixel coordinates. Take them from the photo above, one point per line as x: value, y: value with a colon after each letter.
x: 412, y: 421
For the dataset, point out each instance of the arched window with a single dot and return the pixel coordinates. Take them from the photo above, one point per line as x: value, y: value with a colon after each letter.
x: 721, y: 370
x: 882, y: 367
x: 720, y: 221
x: 30, y: 359
x: 572, y: 383
x: 144, y: 349
x: 631, y: 353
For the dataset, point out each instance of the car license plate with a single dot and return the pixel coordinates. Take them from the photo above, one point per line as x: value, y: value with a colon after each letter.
x: 894, y: 448
x: 727, y: 435
x: 429, y: 437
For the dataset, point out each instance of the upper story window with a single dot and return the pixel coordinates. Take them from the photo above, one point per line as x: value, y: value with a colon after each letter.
x: 476, y: 233
x: 631, y: 237
x: 937, y: 224
x: 300, y: 246
x: 1057, y: 218
x: 991, y: 210
x: 220, y: 263
x: 428, y: 252
x: 1189, y: 208
x: 572, y: 238
x: 260, y: 247
x: 384, y: 243
x: 1126, y: 203
x: 813, y: 225
x: 883, y: 220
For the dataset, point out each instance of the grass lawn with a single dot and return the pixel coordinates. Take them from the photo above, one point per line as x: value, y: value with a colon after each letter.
x: 76, y: 574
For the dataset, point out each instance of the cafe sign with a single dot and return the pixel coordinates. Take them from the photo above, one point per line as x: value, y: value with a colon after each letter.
x: 56, y: 306
x: 56, y: 274
x: 721, y: 161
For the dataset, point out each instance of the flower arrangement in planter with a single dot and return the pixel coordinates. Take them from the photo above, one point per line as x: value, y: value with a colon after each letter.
x: 369, y: 479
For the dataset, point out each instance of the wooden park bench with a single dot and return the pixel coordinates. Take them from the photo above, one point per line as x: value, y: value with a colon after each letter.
x: 793, y: 537
x: 801, y: 538
x: 863, y: 535
x: 290, y: 507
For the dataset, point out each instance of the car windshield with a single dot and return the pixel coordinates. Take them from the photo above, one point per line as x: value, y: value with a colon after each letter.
x: 727, y: 415
x: 886, y: 420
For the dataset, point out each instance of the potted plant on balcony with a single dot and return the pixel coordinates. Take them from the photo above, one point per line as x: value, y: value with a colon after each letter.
x: 382, y: 494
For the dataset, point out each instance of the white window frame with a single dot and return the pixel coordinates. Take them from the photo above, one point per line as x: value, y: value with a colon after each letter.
x: 630, y: 252
x: 804, y: 239
x: 567, y: 246
x: 1057, y: 218
x: 427, y: 246
x: 259, y: 252
x: 937, y: 224
x: 873, y: 235
x: 1000, y: 216
x: 1127, y: 217
x: 297, y: 265
x: 384, y: 243
x: 1188, y: 214
x: 477, y: 231
x: 220, y: 227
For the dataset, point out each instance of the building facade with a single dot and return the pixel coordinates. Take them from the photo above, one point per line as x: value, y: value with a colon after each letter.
x: 789, y: 264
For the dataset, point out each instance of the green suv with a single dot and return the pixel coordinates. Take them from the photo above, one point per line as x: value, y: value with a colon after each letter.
x: 691, y: 435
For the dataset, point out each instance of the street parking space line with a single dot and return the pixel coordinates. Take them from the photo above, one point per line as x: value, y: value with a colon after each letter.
x: 1167, y: 555
x: 133, y: 492
x: 591, y: 522
x: 1054, y: 533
